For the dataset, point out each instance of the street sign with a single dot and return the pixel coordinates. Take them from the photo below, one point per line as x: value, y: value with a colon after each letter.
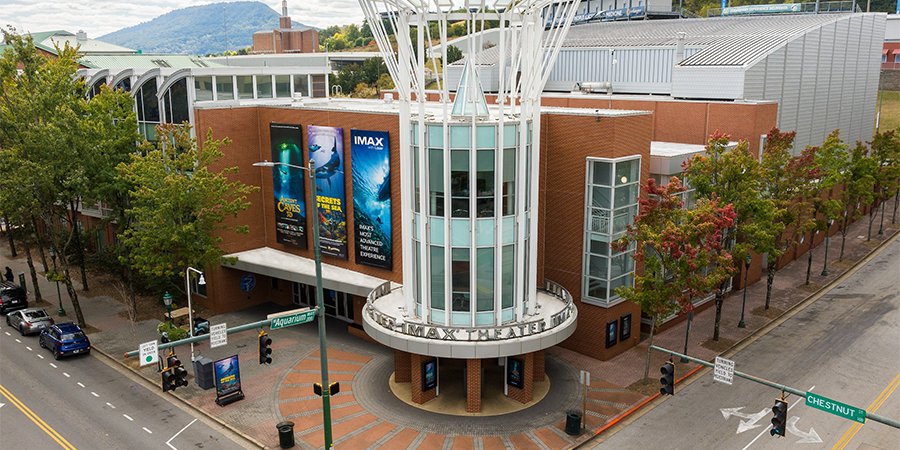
x: 218, y: 335
x: 149, y: 353
x: 724, y: 370
x: 834, y: 407
x: 585, y: 378
x: 291, y: 318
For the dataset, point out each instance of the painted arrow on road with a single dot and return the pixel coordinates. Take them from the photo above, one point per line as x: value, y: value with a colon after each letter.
x: 749, y: 421
x: 805, y: 438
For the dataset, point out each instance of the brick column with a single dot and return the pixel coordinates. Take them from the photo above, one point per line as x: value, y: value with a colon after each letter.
x: 401, y: 367
x: 473, y: 385
x: 415, y: 372
x: 539, y: 374
x: 525, y: 394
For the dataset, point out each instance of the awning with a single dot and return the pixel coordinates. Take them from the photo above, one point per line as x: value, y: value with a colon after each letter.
x: 896, y: 51
x: 884, y: 52
x: 278, y: 264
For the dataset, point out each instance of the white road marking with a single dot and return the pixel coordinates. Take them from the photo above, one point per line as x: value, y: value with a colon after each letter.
x: 67, y: 375
x: 79, y: 383
x: 17, y: 339
x: 53, y: 365
x: 95, y: 394
x: 169, y: 442
x: 110, y: 405
x: 7, y: 333
x: 127, y: 417
x: 40, y: 356
x: 148, y: 431
x: 29, y: 348
x: 765, y: 430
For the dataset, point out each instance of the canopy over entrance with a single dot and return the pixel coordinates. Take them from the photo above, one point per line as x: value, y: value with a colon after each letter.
x: 278, y: 264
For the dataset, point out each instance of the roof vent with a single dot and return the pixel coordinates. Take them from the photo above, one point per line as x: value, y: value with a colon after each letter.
x: 389, y: 97
x: 81, y: 35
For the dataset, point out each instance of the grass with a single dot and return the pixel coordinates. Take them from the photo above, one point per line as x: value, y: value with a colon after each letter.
x: 890, y: 110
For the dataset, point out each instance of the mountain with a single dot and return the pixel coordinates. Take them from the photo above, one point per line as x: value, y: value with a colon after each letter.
x: 200, y: 30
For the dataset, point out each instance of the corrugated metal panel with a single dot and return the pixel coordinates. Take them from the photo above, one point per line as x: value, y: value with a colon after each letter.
x: 851, y: 41
x: 806, y: 100
x: 874, y: 71
x: 791, y: 94
x: 824, y: 57
x: 755, y: 80
x: 853, y: 82
x: 725, y: 83
x: 832, y: 36
x: 774, y: 75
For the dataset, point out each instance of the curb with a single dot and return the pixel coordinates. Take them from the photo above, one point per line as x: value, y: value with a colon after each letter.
x: 699, y: 370
x: 182, y: 401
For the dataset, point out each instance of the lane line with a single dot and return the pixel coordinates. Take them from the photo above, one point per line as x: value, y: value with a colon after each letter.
x: 766, y: 429
x: 148, y: 431
x: 7, y: 333
x: 79, y: 383
x: 95, y: 394
x: 53, y: 365
x: 110, y: 405
x: 67, y: 375
x: 36, y: 419
x: 17, y: 339
x: 29, y: 348
x: 176, y: 435
x: 128, y: 417
x: 879, y: 400
x: 40, y: 356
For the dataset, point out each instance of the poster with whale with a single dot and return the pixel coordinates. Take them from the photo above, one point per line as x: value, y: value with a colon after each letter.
x: 370, y: 153
x: 326, y: 150
x: 287, y: 184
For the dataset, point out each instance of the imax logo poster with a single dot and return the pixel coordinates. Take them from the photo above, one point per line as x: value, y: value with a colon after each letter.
x: 370, y: 154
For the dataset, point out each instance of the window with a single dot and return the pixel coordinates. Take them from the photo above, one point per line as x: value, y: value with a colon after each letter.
x: 301, y: 85
x: 263, y: 86
x: 177, y: 102
x: 282, y: 86
x: 611, y: 204
x: 225, y: 88
x: 484, y: 263
x: 461, y: 282
x: 203, y: 89
x: 459, y: 183
x: 437, y: 277
x: 245, y: 86
x: 509, y: 181
x: 507, y: 276
x: 436, y: 181
x: 484, y: 182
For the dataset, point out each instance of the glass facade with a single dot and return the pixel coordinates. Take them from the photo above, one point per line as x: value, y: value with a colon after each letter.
x: 611, y: 202
x: 471, y: 236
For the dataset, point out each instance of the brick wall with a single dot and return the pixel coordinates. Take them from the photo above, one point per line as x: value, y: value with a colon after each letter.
x: 539, y: 372
x: 473, y: 385
x: 402, y: 372
x: 525, y: 394
x: 415, y: 365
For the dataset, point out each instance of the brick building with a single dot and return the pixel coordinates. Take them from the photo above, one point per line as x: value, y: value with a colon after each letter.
x: 285, y: 39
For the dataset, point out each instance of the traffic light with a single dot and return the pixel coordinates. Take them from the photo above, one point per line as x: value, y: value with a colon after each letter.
x: 168, y: 379
x: 779, y: 418
x: 180, y: 374
x: 174, y: 375
x: 667, y: 381
x: 265, y: 348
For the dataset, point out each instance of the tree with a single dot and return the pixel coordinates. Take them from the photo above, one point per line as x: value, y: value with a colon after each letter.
x: 886, y: 153
x: 832, y: 159
x: 179, y: 204
x: 453, y: 54
x: 681, y: 251
x: 858, y: 180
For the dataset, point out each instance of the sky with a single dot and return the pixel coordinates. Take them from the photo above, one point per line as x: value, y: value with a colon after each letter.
x: 99, y: 17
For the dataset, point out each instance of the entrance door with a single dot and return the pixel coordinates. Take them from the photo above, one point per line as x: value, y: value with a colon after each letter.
x: 337, y: 304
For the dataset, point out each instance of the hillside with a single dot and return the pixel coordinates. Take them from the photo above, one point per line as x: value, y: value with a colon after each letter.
x: 200, y: 30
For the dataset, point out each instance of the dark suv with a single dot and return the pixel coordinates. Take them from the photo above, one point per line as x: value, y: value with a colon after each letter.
x: 64, y: 339
x: 12, y: 297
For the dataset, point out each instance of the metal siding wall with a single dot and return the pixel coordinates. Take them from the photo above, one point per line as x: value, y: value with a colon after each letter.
x: 807, y: 89
x: 823, y: 85
x: 755, y: 80
x: 705, y: 82
x: 774, y: 83
x: 850, y: 111
x: 790, y: 99
x: 877, y: 30
x: 838, y: 39
x: 637, y: 70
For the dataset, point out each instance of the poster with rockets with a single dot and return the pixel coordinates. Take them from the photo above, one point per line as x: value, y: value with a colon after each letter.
x: 370, y: 153
x: 326, y: 151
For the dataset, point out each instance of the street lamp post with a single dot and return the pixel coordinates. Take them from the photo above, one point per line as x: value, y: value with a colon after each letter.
x: 167, y: 300
x: 60, y: 310
x: 187, y: 287
x: 320, y: 298
x: 747, y: 260
x: 827, y: 239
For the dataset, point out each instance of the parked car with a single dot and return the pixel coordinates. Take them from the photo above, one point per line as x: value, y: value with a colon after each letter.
x: 65, y: 339
x: 29, y: 320
x: 12, y: 297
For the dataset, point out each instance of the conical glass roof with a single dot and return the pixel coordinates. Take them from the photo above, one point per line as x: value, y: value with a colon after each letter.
x: 469, y: 95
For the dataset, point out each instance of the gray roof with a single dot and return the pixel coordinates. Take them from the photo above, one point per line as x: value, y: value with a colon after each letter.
x: 145, y: 61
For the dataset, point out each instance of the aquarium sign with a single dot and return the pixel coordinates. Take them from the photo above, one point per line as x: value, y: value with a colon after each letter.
x: 370, y: 153
x: 228, y: 376
x: 326, y: 151
x: 287, y: 184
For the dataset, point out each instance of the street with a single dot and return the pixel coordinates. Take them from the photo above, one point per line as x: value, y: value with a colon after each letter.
x: 81, y: 402
x: 845, y: 346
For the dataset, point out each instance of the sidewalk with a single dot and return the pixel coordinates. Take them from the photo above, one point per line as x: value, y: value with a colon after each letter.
x: 366, y: 415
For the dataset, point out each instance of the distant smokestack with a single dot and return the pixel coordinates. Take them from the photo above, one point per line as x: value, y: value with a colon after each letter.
x: 81, y: 36
x: 284, y: 21
x: 284, y: 8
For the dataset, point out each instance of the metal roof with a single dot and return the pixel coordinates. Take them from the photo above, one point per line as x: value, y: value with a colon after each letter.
x: 145, y: 61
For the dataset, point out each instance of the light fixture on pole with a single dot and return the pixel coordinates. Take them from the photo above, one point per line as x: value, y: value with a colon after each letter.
x: 747, y: 260
x: 167, y: 300
x: 187, y: 286
x: 320, y: 298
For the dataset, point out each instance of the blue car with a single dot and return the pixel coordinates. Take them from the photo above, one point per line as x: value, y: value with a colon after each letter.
x: 65, y: 339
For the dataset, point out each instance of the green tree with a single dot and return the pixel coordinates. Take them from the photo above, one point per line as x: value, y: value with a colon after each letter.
x: 886, y: 153
x: 453, y: 54
x: 179, y: 203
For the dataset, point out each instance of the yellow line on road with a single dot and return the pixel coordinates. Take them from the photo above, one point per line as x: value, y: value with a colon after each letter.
x: 37, y: 420
x: 879, y: 400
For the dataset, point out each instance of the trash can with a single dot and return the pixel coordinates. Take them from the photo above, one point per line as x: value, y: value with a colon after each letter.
x: 285, y: 434
x: 573, y: 422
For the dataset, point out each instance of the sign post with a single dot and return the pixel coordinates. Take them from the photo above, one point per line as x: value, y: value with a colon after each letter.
x: 724, y: 370
x: 835, y: 407
x: 218, y: 335
x: 291, y: 318
x: 585, y: 379
x: 149, y: 353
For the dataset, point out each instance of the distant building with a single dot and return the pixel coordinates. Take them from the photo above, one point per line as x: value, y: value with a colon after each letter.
x: 284, y: 39
x: 890, y: 53
x: 47, y: 41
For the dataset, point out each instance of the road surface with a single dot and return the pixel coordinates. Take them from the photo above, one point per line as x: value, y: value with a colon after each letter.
x: 81, y: 402
x: 845, y: 346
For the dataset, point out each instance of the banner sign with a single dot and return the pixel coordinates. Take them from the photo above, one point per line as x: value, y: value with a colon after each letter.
x: 429, y: 375
x: 326, y: 150
x: 228, y: 376
x: 761, y: 9
x: 515, y: 372
x: 370, y: 152
x: 287, y: 184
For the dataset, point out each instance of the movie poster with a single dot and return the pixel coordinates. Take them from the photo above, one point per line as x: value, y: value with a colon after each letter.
x: 287, y: 184
x: 370, y: 152
x: 515, y: 372
x: 326, y: 150
x: 429, y: 375
x: 228, y: 376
